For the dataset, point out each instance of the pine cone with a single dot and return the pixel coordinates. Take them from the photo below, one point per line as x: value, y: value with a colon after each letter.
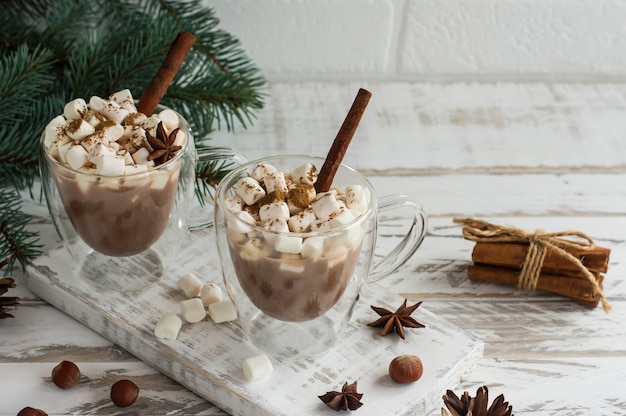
x: 7, y: 301
x: 475, y: 406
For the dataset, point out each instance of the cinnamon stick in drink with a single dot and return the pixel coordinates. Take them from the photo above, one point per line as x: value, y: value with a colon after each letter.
x: 169, y: 68
x: 342, y: 141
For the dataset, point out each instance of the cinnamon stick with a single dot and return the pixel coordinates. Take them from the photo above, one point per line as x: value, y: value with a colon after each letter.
x: 513, y: 255
x: 176, y: 55
x: 342, y: 141
x: 579, y: 290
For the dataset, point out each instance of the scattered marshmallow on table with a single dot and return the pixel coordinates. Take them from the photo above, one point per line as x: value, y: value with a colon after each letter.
x: 168, y: 326
x: 190, y: 285
x: 257, y: 367
x: 192, y: 310
x: 223, y: 311
x: 211, y: 293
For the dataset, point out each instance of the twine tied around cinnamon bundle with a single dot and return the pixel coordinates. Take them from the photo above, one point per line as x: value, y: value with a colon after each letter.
x: 539, y: 243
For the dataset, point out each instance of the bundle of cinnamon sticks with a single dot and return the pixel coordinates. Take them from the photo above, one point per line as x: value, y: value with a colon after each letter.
x: 565, y: 267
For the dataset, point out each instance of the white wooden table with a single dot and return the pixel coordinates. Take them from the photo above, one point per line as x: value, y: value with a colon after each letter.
x: 548, y: 156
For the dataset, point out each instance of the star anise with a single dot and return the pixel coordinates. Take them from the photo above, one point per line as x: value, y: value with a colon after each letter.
x: 7, y: 301
x: 399, y: 319
x: 475, y: 406
x: 346, y: 399
x: 163, y: 145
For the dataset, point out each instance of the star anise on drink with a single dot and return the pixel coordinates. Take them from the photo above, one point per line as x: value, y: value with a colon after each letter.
x: 396, y: 320
x: 163, y: 145
x: 346, y: 399
x: 475, y: 406
x: 7, y: 301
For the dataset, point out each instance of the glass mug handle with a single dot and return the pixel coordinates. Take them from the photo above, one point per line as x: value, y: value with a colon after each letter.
x: 201, y: 216
x: 411, y: 241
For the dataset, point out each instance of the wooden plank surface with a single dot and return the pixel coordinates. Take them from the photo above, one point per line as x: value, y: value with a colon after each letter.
x: 550, y: 156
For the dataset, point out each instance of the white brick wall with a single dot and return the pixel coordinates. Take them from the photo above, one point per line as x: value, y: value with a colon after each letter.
x: 330, y: 40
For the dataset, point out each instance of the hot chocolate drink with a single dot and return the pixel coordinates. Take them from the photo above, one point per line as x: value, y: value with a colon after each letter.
x: 294, y: 251
x: 116, y: 171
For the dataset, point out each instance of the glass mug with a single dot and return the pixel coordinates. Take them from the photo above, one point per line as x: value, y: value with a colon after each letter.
x: 123, y: 232
x: 295, y: 305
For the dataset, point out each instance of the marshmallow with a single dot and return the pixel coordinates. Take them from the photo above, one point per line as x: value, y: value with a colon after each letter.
x: 141, y: 157
x: 94, y: 118
x: 276, y: 224
x: 275, y: 182
x: 112, y: 131
x: 288, y: 244
x: 242, y: 223
x: 261, y: 171
x: 114, y: 111
x: 125, y: 99
x: 250, y: 190
x: 63, y: 149
x: 54, y: 130
x: 150, y: 124
x: 321, y: 225
x: 356, y: 197
x: 134, y: 169
x: 312, y: 247
x: 190, y: 285
x: 305, y: 174
x: 77, y: 157
x: 274, y: 210
x: 234, y: 203
x: 222, y: 311
x: 257, y: 367
x: 192, y: 310
x: 345, y: 217
x: 211, y: 293
x: 300, y: 222
x: 99, y: 149
x: 97, y: 104
x: 75, y: 109
x: 169, y: 119
x: 168, y: 326
x: 325, y: 205
x: 79, y: 129
x: 108, y: 165
x: 253, y: 249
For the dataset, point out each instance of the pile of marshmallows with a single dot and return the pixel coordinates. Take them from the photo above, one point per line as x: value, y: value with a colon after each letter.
x: 108, y: 137
x: 287, y: 202
x: 202, y: 300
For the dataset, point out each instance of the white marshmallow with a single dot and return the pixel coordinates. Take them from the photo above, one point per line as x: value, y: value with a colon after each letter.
x: 234, y: 203
x: 79, y: 129
x: 325, y: 205
x: 113, y: 132
x: 168, y: 326
x: 356, y: 197
x: 97, y: 104
x: 192, y: 310
x: 250, y: 190
x: 300, y: 222
x: 305, y: 174
x: 257, y: 367
x: 169, y: 119
x: 141, y: 157
x: 63, y: 149
x: 133, y: 169
x: 150, y: 124
x: 125, y: 99
x: 99, y: 149
x: 288, y: 244
x: 275, y: 181
x: 114, y: 111
x: 253, y: 249
x: 54, y: 130
x: 190, y: 285
x: 77, y: 157
x: 242, y: 223
x: 211, y: 293
x: 276, y: 224
x: 321, y: 225
x: 224, y: 311
x: 345, y: 217
x: 274, y: 210
x: 261, y: 171
x: 75, y: 109
x: 108, y: 165
x: 94, y: 118
x: 312, y: 247
x: 128, y: 160
x: 180, y: 139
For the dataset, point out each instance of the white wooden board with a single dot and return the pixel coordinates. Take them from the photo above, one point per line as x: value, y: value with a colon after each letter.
x: 207, y: 357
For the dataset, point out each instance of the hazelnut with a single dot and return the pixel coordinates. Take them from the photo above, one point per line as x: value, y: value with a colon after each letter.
x: 66, y: 375
x: 31, y: 411
x: 124, y: 393
x: 406, y: 369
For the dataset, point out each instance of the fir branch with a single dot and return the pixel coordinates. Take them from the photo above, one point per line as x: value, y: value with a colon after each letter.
x: 16, y: 243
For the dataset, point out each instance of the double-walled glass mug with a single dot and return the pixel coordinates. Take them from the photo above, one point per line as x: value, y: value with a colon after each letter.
x: 123, y: 232
x: 295, y: 299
